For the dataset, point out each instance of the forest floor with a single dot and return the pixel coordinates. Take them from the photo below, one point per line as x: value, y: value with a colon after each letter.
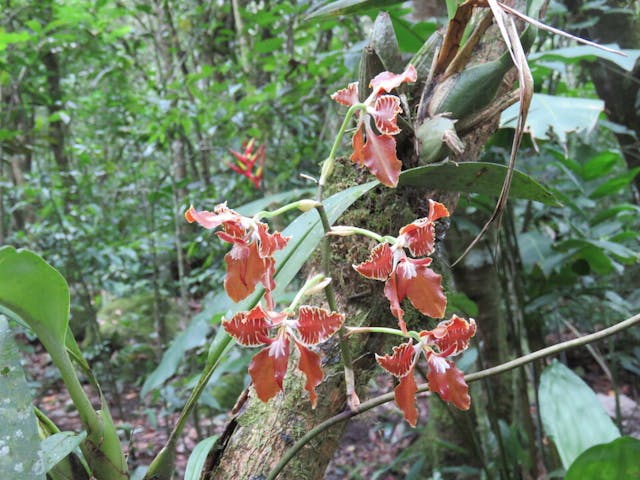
x: 370, y: 448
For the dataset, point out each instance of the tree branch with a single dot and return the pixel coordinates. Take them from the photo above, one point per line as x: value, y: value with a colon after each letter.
x: 472, y: 377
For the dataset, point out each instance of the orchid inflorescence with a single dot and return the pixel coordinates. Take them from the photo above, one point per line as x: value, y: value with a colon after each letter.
x: 402, y: 262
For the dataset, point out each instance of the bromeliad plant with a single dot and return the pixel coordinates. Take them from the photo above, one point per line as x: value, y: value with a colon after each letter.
x: 402, y: 262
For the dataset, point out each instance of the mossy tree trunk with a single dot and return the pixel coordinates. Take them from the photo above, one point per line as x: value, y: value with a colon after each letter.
x: 257, y: 438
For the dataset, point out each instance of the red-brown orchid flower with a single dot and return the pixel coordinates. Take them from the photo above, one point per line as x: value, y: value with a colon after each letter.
x: 448, y: 338
x: 250, y: 260
x: 407, y: 277
x: 246, y: 162
x: 377, y: 151
x: 267, y: 369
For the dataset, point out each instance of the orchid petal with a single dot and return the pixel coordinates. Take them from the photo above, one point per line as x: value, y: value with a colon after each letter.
x: 245, y: 268
x: 423, y: 287
x: 249, y: 328
x: 267, y: 370
x: 405, y: 395
x: 316, y: 324
x: 270, y: 242
x: 401, y: 362
x: 447, y: 380
x: 451, y: 336
x: 385, y: 111
x: 357, y: 142
x: 347, y: 96
x: 395, y: 297
x: 387, y: 81
x: 437, y: 210
x: 311, y: 365
x: 419, y: 237
x: 379, y: 265
x: 209, y: 220
x: 379, y: 155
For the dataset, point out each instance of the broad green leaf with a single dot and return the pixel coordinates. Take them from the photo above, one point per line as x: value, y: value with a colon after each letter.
x: 306, y: 232
x: 58, y: 446
x: 19, y: 441
x: 618, y: 459
x: 561, y: 114
x: 476, y: 177
x: 615, y: 184
x: 589, y: 53
x: 198, y: 457
x: 7, y: 38
x: 534, y: 248
x: 34, y: 291
x: 193, y: 336
x: 571, y: 414
x: 348, y: 7
x: 600, y: 164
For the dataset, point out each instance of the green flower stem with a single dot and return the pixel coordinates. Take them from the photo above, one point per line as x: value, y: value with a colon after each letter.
x: 472, y: 377
x: 309, y: 285
x: 388, y: 331
x: 344, y: 231
x: 328, y: 164
x: 163, y: 464
x: 349, y: 378
x: 304, y: 205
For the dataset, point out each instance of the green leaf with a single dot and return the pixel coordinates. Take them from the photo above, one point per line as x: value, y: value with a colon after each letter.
x: 535, y: 248
x: 268, y: 45
x: 600, y: 164
x: 193, y: 336
x: 19, y: 439
x: 571, y: 413
x: 476, y: 177
x: 561, y: 114
x: 7, y: 38
x: 198, y: 457
x: 34, y: 291
x: 589, y: 53
x: 615, y: 184
x: 58, y: 446
x: 348, y: 7
x: 614, y: 460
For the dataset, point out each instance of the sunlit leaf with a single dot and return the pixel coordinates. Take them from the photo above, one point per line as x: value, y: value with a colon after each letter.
x: 614, y: 460
x: 560, y: 114
x: 34, y: 291
x: 589, y: 53
x: 571, y: 414
x: 198, y: 458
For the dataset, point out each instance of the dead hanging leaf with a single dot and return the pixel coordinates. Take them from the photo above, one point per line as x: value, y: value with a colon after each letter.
x: 511, y: 38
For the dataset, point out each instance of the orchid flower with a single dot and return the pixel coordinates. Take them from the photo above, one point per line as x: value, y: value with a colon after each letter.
x: 407, y: 277
x: 247, y: 161
x: 448, y: 338
x: 377, y: 151
x: 313, y: 325
x: 250, y: 260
